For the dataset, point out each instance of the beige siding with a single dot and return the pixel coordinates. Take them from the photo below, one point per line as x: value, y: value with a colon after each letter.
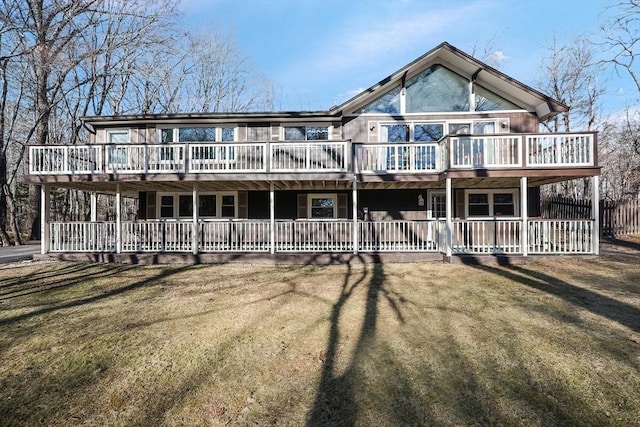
x: 241, y: 134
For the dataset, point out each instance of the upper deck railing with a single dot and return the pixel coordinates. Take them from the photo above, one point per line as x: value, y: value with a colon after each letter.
x: 452, y: 152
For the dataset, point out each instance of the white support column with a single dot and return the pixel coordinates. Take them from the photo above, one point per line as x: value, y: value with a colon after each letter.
x: 524, y: 210
x: 195, y: 232
x: 45, y: 199
x: 355, y: 214
x: 595, y: 212
x: 272, y: 217
x: 118, y: 219
x: 449, y: 213
x: 94, y: 207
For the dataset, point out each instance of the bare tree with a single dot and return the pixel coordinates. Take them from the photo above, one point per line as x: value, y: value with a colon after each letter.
x: 621, y: 39
x: 221, y: 77
x: 570, y: 75
x: 619, y: 159
x: 75, y: 53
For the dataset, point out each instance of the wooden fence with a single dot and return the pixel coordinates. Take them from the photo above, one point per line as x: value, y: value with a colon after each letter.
x: 616, y: 218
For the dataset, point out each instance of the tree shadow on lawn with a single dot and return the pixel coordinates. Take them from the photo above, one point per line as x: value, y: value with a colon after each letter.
x: 81, y: 278
x: 335, y: 402
x: 594, y: 302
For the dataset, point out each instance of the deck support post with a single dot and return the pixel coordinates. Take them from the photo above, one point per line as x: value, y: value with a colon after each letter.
x: 355, y: 215
x: 94, y: 207
x: 524, y: 211
x: 195, y: 231
x: 45, y: 199
x: 595, y: 212
x: 118, y: 218
x: 449, y: 219
x: 272, y: 217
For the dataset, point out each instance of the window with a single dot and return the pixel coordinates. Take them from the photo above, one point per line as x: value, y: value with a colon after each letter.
x: 491, y: 203
x: 185, y: 205
x: 437, y: 204
x: 428, y: 132
x: 489, y: 101
x: 196, y: 134
x: 503, y: 204
x: 228, y: 206
x: 207, y: 205
x: 166, y: 207
x: 468, y: 151
x: 210, y: 205
x: 478, y: 204
x: 388, y: 103
x: 436, y: 89
x: 394, y: 133
x: 306, y: 133
x: 117, y: 155
x: 322, y: 205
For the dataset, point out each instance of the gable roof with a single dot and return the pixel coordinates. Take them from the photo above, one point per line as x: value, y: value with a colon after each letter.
x: 466, y: 65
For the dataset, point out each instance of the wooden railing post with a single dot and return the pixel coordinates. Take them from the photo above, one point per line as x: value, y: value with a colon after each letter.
x: 118, y: 219
x: 45, y: 199
x: 195, y: 232
x: 524, y: 207
x: 449, y: 218
x: 595, y: 214
x: 272, y: 210
x: 355, y: 215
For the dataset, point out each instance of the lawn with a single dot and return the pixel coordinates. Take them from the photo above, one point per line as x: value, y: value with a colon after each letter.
x: 550, y: 342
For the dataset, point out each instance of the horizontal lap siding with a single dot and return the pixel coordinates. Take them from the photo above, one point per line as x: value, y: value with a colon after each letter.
x: 393, y: 204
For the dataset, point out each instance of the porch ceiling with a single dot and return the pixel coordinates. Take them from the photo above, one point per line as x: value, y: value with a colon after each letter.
x: 131, y: 184
x: 132, y: 188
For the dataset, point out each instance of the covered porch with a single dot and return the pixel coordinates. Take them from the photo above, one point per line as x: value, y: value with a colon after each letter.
x: 447, y: 236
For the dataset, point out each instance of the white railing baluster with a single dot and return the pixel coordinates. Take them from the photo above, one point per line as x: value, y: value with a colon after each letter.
x: 560, y: 150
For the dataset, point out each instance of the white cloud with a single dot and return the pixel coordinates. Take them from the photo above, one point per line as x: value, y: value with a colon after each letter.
x: 377, y: 43
x: 498, y: 56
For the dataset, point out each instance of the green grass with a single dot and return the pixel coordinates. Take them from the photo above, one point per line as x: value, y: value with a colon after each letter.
x: 554, y: 342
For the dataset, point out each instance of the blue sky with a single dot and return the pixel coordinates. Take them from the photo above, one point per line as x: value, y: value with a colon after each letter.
x: 321, y: 52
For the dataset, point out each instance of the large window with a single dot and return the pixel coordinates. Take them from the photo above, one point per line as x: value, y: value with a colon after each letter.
x: 489, y: 101
x: 197, y: 134
x: 322, y: 206
x: 306, y: 133
x: 389, y: 103
x: 490, y: 203
x: 437, y: 89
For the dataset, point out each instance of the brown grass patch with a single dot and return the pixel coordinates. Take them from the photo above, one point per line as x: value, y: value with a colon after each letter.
x: 546, y: 343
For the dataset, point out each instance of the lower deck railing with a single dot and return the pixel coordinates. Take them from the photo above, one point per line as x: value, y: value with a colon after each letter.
x: 494, y: 236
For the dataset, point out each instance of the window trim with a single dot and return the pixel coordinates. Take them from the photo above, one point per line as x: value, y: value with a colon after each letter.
x: 119, y: 154
x: 445, y: 127
x: 357, y: 111
x: 218, y: 132
x: 332, y: 196
x: 176, y: 204
x: 110, y: 132
x: 430, y: 209
x: 490, y: 193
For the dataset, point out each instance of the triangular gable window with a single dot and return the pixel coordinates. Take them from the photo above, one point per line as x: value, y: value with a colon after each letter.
x: 437, y: 89
x: 389, y: 103
x: 489, y: 101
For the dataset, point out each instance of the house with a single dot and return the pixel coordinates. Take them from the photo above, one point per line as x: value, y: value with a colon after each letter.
x: 441, y: 158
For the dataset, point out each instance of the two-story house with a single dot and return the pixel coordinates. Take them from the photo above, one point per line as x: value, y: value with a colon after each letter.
x: 443, y: 157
